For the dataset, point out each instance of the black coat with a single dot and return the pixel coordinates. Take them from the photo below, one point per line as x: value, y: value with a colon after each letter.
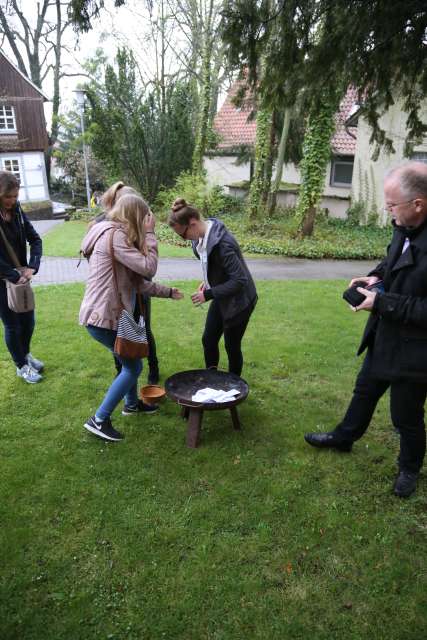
x: 21, y: 231
x: 397, y: 326
x: 230, y: 281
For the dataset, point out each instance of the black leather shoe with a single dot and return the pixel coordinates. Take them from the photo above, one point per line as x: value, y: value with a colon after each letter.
x: 405, y: 484
x: 327, y: 441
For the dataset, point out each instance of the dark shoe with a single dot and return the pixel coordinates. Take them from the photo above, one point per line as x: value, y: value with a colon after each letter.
x: 153, y: 375
x: 405, y: 484
x: 103, y: 430
x: 141, y: 407
x: 327, y: 441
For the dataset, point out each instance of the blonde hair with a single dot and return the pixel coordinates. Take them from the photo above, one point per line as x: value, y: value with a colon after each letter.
x: 116, y: 191
x: 130, y: 211
x: 181, y: 213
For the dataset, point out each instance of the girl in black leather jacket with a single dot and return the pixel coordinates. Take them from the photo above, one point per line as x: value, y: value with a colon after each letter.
x: 227, y: 282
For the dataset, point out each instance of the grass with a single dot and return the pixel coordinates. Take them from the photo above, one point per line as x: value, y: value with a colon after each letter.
x: 331, y: 239
x: 254, y: 535
x: 64, y: 241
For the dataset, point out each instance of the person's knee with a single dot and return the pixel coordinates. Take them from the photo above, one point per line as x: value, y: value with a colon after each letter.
x: 132, y: 368
x: 206, y: 340
x: 12, y: 331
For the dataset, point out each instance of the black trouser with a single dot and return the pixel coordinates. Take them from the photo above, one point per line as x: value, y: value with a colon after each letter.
x: 18, y: 329
x: 407, y: 398
x: 214, y: 329
x: 153, y: 363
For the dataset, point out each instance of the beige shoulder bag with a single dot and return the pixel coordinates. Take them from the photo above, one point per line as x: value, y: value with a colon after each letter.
x: 20, y: 297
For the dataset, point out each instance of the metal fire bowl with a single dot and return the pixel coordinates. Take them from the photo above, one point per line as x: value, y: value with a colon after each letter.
x: 183, y: 385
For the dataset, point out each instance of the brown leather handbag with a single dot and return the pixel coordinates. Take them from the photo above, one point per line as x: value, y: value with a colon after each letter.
x: 20, y: 297
x: 131, y: 341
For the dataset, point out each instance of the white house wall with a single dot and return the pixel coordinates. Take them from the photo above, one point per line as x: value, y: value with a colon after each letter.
x: 368, y: 175
x: 33, y: 174
x: 223, y: 171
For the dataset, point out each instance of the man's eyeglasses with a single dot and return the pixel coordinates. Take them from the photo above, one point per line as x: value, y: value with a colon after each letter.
x: 389, y: 206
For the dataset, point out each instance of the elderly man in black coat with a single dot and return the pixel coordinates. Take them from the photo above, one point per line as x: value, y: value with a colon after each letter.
x: 395, y: 336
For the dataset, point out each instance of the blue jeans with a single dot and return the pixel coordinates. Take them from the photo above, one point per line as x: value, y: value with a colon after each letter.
x: 125, y: 384
x: 18, y: 329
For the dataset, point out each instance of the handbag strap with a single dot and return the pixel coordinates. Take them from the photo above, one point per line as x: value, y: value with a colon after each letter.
x: 113, y: 262
x: 10, y: 251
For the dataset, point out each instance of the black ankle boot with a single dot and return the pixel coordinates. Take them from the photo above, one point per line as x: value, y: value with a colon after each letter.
x: 405, y: 484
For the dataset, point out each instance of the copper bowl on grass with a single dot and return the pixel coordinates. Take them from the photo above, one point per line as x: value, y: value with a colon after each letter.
x: 152, y: 393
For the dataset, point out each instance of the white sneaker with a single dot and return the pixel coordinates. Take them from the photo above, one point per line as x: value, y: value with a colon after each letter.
x: 35, y: 364
x: 28, y: 374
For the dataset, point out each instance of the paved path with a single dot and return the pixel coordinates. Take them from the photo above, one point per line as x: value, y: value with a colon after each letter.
x: 43, y: 226
x: 62, y: 270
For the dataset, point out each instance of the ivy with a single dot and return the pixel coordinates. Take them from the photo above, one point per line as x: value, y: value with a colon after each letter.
x: 262, y: 153
x: 316, y: 154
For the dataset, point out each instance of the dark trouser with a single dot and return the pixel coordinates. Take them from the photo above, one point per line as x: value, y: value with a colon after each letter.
x: 407, y: 398
x: 214, y: 329
x: 18, y: 329
x: 153, y: 363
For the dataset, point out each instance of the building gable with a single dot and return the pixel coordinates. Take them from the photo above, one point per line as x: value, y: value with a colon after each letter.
x: 13, y: 83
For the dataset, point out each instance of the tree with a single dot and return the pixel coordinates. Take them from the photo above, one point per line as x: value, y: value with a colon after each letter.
x: 132, y: 135
x: 376, y: 46
x: 188, y: 31
x: 261, y: 179
x: 315, y: 157
x: 69, y: 156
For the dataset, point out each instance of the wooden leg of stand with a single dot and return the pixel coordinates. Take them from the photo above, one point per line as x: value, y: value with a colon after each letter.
x: 185, y: 412
x: 194, y: 428
x: 235, y: 419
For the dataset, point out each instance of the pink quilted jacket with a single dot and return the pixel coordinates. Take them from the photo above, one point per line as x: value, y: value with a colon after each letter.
x: 101, y: 306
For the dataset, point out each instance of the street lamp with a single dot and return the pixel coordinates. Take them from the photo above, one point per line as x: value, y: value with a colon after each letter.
x: 80, y: 97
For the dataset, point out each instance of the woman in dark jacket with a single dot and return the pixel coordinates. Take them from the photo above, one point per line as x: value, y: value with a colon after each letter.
x: 227, y: 282
x: 18, y: 327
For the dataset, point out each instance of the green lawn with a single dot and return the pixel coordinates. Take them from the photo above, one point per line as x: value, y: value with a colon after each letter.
x: 64, y: 241
x: 273, y: 238
x: 254, y: 535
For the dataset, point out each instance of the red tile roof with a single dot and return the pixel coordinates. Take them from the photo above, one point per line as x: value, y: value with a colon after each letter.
x: 235, y: 129
x: 232, y: 124
x: 342, y: 143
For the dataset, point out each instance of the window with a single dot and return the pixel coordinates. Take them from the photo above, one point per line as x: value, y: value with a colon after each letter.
x: 7, y: 120
x: 12, y: 165
x: 342, y: 171
x: 421, y: 156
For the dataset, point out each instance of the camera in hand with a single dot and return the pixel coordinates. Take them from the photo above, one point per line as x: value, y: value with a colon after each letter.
x: 354, y: 297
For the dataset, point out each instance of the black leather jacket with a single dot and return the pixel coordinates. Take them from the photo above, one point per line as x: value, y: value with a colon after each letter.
x: 230, y: 281
x: 19, y: 231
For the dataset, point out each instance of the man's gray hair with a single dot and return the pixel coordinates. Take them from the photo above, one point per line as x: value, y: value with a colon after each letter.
x: 412, y: 178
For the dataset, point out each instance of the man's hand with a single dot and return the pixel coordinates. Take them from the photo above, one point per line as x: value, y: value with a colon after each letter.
x: 198, y: 298
x: 367, y: 280
x: 201, y: 287
x: 368, y: 303
x: 149, y: 222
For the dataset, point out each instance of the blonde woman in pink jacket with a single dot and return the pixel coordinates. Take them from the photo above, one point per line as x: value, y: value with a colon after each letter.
x: 131, y: 225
